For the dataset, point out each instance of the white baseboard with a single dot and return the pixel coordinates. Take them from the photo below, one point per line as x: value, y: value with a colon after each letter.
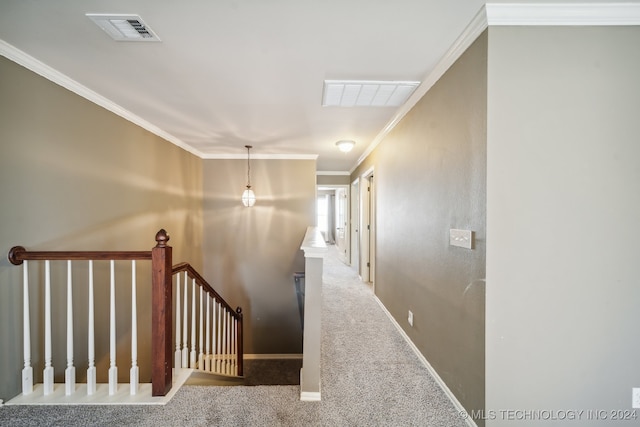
x: 425, y: 362
x: 290, y: 356
x: 309, y: 396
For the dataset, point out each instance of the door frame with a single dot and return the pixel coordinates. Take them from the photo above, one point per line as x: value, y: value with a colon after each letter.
x: 354, y: 259
x: 367, y: 226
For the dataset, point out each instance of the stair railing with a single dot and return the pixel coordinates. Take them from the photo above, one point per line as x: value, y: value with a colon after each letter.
x: 210, y: 338
x: 223, y: 325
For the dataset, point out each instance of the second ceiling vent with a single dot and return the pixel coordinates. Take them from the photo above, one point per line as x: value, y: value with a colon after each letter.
x: 124, y: 27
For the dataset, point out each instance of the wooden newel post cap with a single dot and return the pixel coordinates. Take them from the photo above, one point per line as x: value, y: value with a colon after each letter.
x: 239, y: 311
x: 162, y: 237
x: 14, y: 254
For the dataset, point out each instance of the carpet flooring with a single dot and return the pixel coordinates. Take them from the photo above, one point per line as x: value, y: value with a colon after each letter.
x: 370, y: 377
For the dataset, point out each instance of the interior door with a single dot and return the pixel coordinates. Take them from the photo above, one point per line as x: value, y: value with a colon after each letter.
x: 355, y: 225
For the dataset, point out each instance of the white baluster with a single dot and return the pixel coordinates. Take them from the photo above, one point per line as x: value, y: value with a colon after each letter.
x: 91, y: 370
x: 217, y: 345
x: 208, y: 339
x: 134, y: 374
x: 48, y: 369
x: 201, y: 333
x: 70, y: 372
x: 185, y: 337
x: 234, y: 338
x: 192, y: 359
x: 229, y: 342
x: 224, y: 341
x: 113, y: 369
x: 178, y: 356
x: 27, y: 371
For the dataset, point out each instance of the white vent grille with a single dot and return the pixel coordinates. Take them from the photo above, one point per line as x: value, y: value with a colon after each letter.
x: 357, y: 93
x: 124, y: 27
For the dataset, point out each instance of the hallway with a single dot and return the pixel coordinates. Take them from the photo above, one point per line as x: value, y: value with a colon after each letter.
x: 370, y: 377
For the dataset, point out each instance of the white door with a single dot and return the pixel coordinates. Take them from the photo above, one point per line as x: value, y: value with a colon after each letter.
x: 355, y: 224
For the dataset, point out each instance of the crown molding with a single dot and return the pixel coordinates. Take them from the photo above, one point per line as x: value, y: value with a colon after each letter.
x: 19, y: 57
x: 567, y: 14
x: 334, y: 173
x: 477, y: 25
x: 514, y: 14
x: 260, y: 156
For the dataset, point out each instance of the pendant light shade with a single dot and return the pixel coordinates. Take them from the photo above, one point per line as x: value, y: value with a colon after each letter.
x: 248, y: 196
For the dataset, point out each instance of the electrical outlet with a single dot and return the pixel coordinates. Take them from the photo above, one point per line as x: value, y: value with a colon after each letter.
x: 410, y: 318
x: 635, y: 397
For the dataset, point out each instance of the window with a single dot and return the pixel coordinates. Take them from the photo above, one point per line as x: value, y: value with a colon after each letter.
x: 322, y: 208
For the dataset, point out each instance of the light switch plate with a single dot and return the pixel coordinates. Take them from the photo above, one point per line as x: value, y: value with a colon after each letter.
x: 461, y: 238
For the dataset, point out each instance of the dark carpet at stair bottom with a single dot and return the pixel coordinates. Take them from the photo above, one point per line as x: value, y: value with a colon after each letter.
x: 272, y: 371
x: 370, y: 377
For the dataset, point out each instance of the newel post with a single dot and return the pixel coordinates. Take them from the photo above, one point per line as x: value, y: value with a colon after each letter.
x: 239, y: 340
x: 161, y: 297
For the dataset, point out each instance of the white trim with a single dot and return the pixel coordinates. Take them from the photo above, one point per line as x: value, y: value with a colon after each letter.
x: 223, y: 156
x: 461, y: 409
x: 313, y: 244
x: 285, y: 356
x: 367, y: 173
x: 38, y: 67
x: 341, y: 173
x: 310, y: 396
x: 101, y: 395
x: 497, y: 14
x: 477, y: 25
x: 567, y: 14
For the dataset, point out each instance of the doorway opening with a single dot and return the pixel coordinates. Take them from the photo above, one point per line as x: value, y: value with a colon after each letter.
x: 332, y: 209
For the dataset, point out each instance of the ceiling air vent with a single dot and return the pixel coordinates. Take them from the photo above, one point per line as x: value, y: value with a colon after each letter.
x: 124, y: 27
x: 359, y: 93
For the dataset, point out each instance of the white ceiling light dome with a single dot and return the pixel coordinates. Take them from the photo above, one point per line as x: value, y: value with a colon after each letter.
x: 345, y: 145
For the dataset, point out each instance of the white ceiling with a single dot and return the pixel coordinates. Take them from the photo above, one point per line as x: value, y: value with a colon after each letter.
x: 234, y: 72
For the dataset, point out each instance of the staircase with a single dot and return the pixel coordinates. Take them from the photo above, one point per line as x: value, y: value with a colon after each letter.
x: 193, y: 335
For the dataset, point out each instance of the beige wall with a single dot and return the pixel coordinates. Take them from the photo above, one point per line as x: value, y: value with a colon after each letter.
x: 250, y: 254
x: 430, y: 176
x: 563, y: 298
x: 333, y: 180
x: 75, y: 176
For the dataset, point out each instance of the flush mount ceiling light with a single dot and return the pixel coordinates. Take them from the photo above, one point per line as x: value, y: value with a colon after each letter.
x: 124, y: 27
x: 345, y: 145
x: 360, y: 93
x: 248, y: 196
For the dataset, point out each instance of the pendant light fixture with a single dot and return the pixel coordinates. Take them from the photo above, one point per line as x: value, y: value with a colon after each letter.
x: 248, y: 197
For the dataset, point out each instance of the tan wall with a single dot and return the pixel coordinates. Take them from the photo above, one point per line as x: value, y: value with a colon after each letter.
x: 563, y: 186
x: 75, y: 176
x: 430, y: 174
x: 250, y: 254
x: 333, y: 180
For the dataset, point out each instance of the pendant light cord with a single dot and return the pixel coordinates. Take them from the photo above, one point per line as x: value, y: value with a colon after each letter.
x: 248, y: 166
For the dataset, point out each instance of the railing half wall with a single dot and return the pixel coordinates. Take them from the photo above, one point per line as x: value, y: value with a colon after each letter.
x: 315, y: 249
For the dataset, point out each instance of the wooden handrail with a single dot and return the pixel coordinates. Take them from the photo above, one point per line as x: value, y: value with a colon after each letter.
x: 185, y: 266
x: 18, y: 254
